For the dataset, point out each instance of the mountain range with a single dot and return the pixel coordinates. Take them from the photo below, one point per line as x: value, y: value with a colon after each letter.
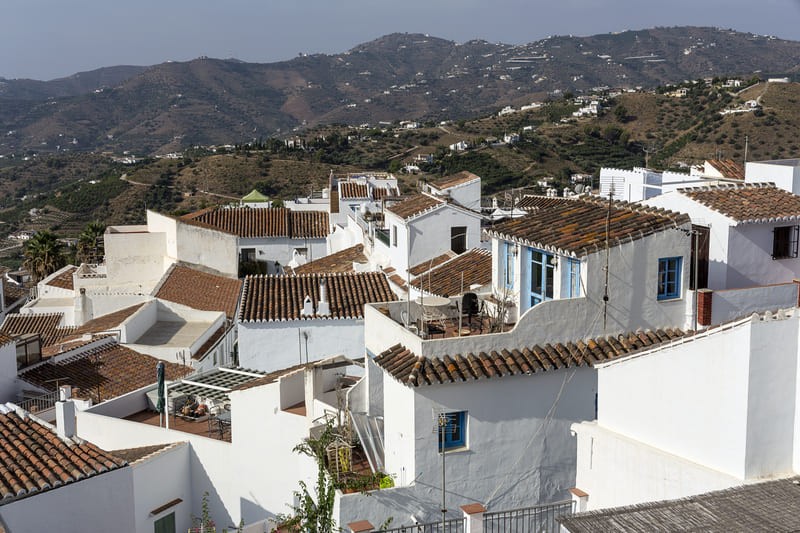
x: 206, y: 101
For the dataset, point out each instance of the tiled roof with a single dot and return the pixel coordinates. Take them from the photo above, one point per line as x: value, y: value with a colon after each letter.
x: 200, y: 290
x: 272, y: 377
x: 341, y: 261
x: 459, y: 178
x: 415, y: 205
x: 45, y: 325
x: 532, y: 202
x: 33, y: 458
x: 414, y: 371
x: 353, y: 190
x: 110, y: 370
x: 269, y: 298
x: 765, y: 506
x: 728, y: 168
x: 69, y: 343
x: 263, y: 222
x: 5, y: 339
x: 379, y: 193
x: 212, y: 340
x: 107, y: 322
x: 456, y: 276
x: 13, y: 293
x: 753, y: 202
x: 63, y: 280
x: 416, y: 270
x: 132, y: 455
x: 579, y: 226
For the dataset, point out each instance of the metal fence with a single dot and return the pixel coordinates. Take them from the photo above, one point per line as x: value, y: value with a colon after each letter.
x: 382, y: 235
x: 40, y: 403
x: 539, y: 519
x: 450, y: 526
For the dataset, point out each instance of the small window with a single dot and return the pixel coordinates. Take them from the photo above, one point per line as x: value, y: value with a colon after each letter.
x: 454, y: 429
x: 458, y: 239
x: 165, y: 524
x: 784, y: 242
x: 572, y: 279
x: 248, y: 254
x: 669, y: 278
x: 394, y: 235
x: 303, y: 252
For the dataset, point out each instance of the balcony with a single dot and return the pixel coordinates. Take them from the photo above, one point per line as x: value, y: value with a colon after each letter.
x: 383, y: 236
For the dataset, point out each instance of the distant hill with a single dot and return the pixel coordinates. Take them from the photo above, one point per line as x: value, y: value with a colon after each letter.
x: 400, y: 76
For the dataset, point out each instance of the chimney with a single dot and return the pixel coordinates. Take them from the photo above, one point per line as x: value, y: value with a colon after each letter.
x: 65, y: 413
x: 333, y: 194
x: 323, y: 309
x: 308, y: 307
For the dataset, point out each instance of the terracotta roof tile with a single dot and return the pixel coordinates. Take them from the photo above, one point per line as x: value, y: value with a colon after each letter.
x: 415, y: 205
x: 379, y: 193
x: 107, y: 322
x: 69, y: 343
x: 579, y: 226
x: 200, y: 290
x: 532, y: 202
x: 269, y: 298
x: 272, y: 377
x: 728, y: 168
x: 13, y: 293
x: 64, y: 280
x: 263, y: 222
x: 109, y: 371
x: 353, y: 190
x: 132, y: 455
x: 416, y: 270
x: 414, y: 371
x: 34, y: 459
x: 45, y: 325
x: 752, y: 202
x: 459, y: 178
x: 446, y: 280
x: 341, y: 261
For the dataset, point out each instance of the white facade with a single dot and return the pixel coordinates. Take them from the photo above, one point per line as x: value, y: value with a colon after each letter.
x: 99, y: 503
x: 270, y: 346
x: 159, y: 479
x: 426, y: 236
x: 784, y: 173
x: 467, y: 194
x: 517, y: 450
x: 573, y: 311
x: 277, y: 252
x: 739, y: 254
x: 721, y: 412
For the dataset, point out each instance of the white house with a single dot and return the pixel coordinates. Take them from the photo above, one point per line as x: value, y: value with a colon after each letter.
x: 463, y: 188
x: 711, y: 411
x: 53, y: 481
x: 422, y: 227
x: 784, y: 173
x: 753, y: 232
x: 583, y: 261
x: 505, y: 415
x: 286, y: 320
x: 267, y: 238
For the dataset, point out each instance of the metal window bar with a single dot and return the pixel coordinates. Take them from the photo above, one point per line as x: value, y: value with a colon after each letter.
x: 382, y: 235
x: 539, y: 519
x: 455, y: 525
x: 40, y: 403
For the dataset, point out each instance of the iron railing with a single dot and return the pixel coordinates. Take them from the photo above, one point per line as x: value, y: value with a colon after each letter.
x: 539, y: 519
x: 40, y: 403
x: 455, y: 525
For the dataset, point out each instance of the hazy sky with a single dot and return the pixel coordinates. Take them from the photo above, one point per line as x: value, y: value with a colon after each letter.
x: 45, y: 39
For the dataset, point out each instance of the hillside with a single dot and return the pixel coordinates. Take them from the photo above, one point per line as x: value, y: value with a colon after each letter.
x: 172, y: 106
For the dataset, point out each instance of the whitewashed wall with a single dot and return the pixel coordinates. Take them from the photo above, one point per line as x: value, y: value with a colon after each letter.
x: 750, y: 260
x: 517, y: 454
x: 785, y: 174
x: 99, y: 503
x: 468, y: 195
x: 734, y: 303
x: 281, y: 249
x: 160, y: 479
x: 615, y: 470
x: 135, y: 258
x: 8, y: 372
x: 274, y: 345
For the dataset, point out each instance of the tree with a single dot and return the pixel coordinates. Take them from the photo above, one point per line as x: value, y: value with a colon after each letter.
x: 90, y: 243
x: 314, y: 514
x: 43, y: 255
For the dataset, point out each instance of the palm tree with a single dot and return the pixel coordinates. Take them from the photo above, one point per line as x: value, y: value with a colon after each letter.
x: 90, y: 243
x: 43, y: 255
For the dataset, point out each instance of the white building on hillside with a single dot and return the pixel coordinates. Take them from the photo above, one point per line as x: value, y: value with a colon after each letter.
x: 463, y: 188
x: 713, y: 411
x: 784, y: 173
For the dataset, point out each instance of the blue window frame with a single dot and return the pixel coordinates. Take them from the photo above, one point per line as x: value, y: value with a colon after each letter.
x: 669, y: 277
x: 455, y: 431
x: 511, y: 256
x: 542, y: 273
x: 572, y: 279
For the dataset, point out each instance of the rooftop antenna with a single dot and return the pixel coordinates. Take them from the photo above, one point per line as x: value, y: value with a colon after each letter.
x: 608, y: 231
x: 746, y: 139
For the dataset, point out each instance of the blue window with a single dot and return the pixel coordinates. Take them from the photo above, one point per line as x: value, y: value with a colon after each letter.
x: 572, y: 279
x: 455, y: 430
x: 511, y: 256
x: 669, y: 277
x: 542, y: 274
